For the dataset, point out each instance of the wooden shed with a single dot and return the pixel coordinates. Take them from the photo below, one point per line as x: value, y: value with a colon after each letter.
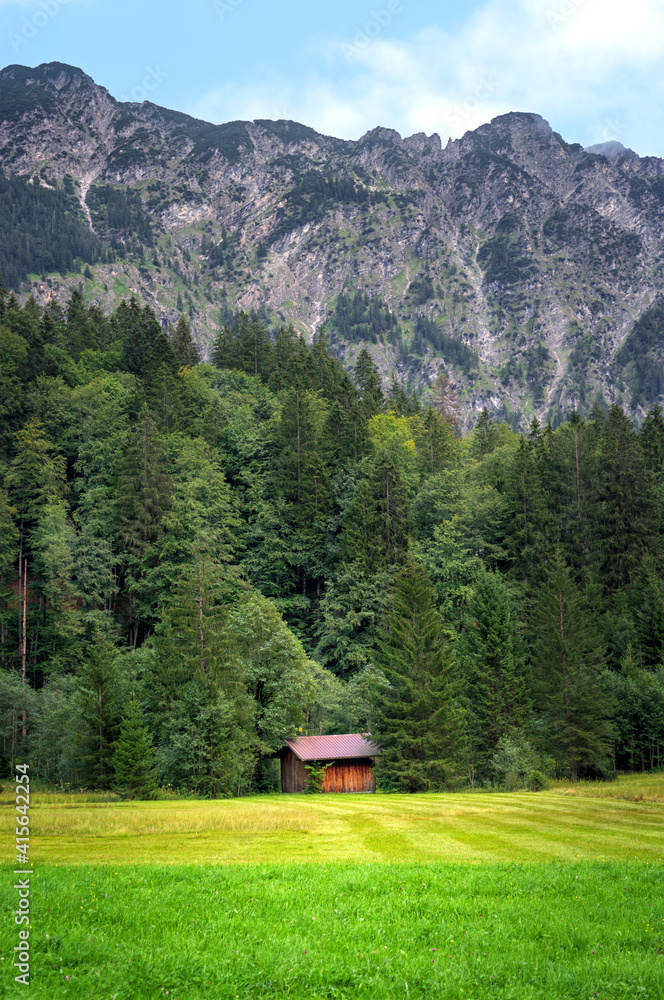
x: 351, y: 758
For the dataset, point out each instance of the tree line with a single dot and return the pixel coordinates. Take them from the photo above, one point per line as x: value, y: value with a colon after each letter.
x: 199, y: 560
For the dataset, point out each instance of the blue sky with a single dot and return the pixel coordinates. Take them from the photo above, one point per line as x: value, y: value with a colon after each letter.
x: 592, y: 68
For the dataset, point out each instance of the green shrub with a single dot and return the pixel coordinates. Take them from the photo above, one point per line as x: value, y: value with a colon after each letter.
x: 537, y: 782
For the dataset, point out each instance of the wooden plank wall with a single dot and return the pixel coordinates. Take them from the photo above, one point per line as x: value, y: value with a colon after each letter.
x: 293, y: 776
x: 350, y: 776
x: 345, y: 776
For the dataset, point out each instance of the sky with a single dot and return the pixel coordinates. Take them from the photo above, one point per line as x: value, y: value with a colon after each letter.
x: 592, y: 68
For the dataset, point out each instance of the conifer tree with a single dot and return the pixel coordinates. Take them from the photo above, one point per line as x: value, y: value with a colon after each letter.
x: 646, y: 598
x: 3, y: 296
x: 393, y: 510
x: 97, y: 689
x: 485, y: 436
x: 134, y: 762
x: 143, y: 497
x: 526, y: 513
x: 625, y: 515
x: 80, y: 330
x: 497, y: 677
x: 567, y: 656
x: 290, y: 361
x: 652, y: 441
x: 8, y: 555
x: 436, y: 446
x: 137, y: 329
x: 420, y: 725
x: 184, y: 347
x: 368, y: 384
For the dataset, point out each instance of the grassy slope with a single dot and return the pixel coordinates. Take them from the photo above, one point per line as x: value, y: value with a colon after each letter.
x: 518, y: 827
x: 110, y: 921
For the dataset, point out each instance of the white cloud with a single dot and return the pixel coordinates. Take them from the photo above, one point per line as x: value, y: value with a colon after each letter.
x: 589, y: 65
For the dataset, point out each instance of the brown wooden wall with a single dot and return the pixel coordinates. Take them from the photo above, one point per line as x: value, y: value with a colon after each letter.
x: 293, y: 776
x: 356, y: 775
x: 350, y: 776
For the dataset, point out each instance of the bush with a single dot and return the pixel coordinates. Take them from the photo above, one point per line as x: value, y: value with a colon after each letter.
x: 316, y: 771
x: 537, y: 782
x: 513, y: 761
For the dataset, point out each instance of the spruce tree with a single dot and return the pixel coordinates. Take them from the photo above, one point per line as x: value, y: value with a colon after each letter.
x: 626, y: 512
x: 436, y: 445
x: 393, y: 510
x: 526, y: 514
x: 485, y: 436
x: 97, y: 693
x: 138, y: 330
x: 183, y: 344
x: 80, y: 331
x: 143, y: 497
x: 652, y: 442
x: 3, y: 296
x: 420, y: 724
x: 134, y: 763
x: 497, y: 678
x: 567, y: 655
x: 368, y: 383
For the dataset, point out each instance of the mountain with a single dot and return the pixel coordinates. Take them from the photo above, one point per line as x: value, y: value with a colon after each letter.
x: 527, y: 268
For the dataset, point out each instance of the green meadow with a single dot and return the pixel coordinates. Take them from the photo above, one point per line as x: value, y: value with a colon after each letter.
x: 548, y: 895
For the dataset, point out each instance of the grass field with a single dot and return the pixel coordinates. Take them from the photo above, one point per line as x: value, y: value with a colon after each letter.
x: 518, y: 827
x: 467, y: 897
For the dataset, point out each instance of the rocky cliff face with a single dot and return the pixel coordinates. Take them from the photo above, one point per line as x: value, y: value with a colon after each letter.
x: 527, y: 268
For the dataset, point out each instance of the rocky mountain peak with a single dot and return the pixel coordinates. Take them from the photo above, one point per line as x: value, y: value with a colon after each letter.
x: 525, y: 267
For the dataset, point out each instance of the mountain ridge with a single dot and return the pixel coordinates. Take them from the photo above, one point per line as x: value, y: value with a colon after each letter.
x: 531, y: 258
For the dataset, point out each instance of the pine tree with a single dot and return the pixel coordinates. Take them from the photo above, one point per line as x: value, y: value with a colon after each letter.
x: 134, y: 763
x: 137, y: 329
x: 8, y: 556
x: 35, y: 473
x: 3, y: 296
x: 80, y: 330
x: 436, y: 445
x: 184, y: 347
x: 646, y: 599
x: 163, y: 387
x: 191, y: 641
x: 652, y: 442
x: 393, y: 511
x: 567, y: 657
x: 625, y: 514
x: 290, y: 361
x: 368, y: 383
x: 420, y: 725
x: 526, y: 514
x: 97, y: 687
x: 485, y: 436
x: 143, y: 497
x: 497, y: 678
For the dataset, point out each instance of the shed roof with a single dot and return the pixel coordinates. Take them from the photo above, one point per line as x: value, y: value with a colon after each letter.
x: 333, y: 747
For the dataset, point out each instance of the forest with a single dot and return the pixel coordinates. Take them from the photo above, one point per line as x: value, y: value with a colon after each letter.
x: 199, y: 560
